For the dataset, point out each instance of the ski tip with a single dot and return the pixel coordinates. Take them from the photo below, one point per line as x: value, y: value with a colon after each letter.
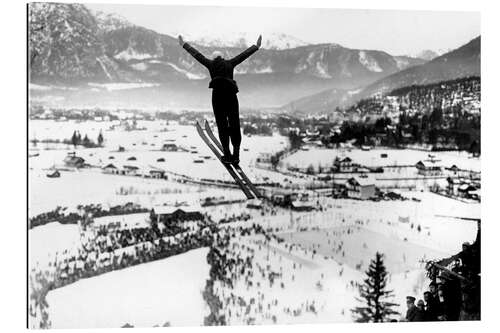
x: 198, y: 126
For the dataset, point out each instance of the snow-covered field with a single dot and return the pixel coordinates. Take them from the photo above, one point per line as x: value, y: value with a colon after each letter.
x: 48, y: 240
x: 145, y: 145
x: 399, y: 255
x: 328, y: 278
x: 91, y: 186
x: 372, y: 158
x: 149, y: 294
x: 146, y: 295
x: 328, y: 285
x: 143, y: 296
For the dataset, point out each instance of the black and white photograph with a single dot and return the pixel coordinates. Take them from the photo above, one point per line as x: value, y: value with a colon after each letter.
x: 202, y: 165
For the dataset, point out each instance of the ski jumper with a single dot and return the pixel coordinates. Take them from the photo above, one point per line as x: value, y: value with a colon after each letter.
x: 224, y: 99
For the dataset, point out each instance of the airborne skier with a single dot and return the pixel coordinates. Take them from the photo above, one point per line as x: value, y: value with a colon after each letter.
x: 224, y: 99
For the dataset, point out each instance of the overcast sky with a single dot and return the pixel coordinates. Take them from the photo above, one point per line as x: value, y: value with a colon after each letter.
x: 396, y: 32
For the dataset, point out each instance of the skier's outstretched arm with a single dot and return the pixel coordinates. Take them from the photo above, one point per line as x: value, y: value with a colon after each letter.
x: 247, y: 53
x: 193, y: 52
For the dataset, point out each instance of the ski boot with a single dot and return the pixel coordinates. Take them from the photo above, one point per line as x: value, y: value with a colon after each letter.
x: 236, y: 156
x: 227, y: 158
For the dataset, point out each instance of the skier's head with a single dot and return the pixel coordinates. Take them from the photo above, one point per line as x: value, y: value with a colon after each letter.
x: 217, y: 54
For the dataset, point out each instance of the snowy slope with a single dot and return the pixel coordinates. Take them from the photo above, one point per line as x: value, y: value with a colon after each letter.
x: 143, y: 296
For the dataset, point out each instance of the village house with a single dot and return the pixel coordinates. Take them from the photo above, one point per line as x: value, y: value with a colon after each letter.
x: 175, y: 214
x: 428, y: 169
x: 361, y: 187
x: 460, y: 173
x: 282, y: 197
x: 169, y: 147
x: 466, y: 190
x: 324, y: 192
x: 264, y: 157
x: 452, y: 187
x: 463, y: 188
x: 54, y: 174
x: 344, y: 165
x: 304, y: 203
x: 71, y: 160
x: 130, y: 170
x: 111, y: 169
x: 152, y: 172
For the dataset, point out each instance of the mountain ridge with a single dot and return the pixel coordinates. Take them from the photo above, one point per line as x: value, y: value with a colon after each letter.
x: 463, y: 61
x: 79, y: 48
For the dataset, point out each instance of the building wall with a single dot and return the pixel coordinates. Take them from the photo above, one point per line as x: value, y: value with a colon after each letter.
x: 429, y: 172
x: 354, y: 193
x: 361, y: 192
x: 367, y: 191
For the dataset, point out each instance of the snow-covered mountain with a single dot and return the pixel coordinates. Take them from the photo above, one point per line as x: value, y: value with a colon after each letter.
x: 273, y: 41
x: 462, y: 62
x: 64, y: 41
x: 109, y: 21
x: 427, y: 55
x: 71, y: 45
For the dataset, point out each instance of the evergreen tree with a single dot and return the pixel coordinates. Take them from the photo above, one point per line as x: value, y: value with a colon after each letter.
x: 100, y: 139
x: 295, y: 140
x: 310, y: 170
x: 86, y: 141
x: 374, y: 295
x: 74, y: 139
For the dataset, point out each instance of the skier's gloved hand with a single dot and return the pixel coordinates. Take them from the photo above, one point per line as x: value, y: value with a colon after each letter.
x: 181, y: 41
x: 259, y: 41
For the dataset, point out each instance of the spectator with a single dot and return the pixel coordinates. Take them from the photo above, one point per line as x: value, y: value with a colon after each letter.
x: 443, y: 306
x: 433, y: 290
x: 431, y: 307
x: 420, y: 314
x: 411, y: 313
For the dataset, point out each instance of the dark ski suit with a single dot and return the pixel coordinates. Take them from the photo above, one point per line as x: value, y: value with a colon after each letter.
x: 224, y: 99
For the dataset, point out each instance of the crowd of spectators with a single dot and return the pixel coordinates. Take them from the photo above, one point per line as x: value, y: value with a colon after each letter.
x: 228, y: 262
x: 433, y: 307
x: 104, y: 249
x: 239, y: 264
x: 454, y: 293
x: 82, y: 214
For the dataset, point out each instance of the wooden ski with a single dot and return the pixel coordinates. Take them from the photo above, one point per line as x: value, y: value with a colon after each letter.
x: 238, y: 169
x: 228, y: 167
